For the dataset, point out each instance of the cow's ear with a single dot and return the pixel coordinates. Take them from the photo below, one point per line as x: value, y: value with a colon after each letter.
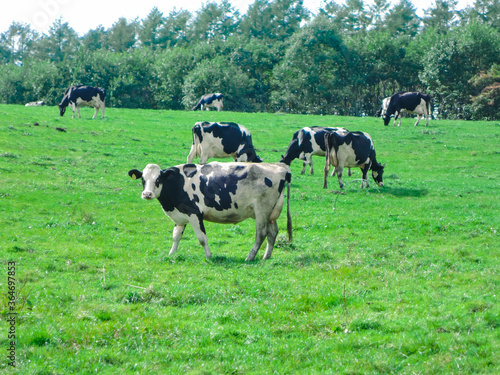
x: 134, y: 174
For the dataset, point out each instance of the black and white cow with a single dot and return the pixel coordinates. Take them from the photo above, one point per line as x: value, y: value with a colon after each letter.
x: 225, y: 193
x: 383, y: 108
x: 35, y: 104
x: 307, y: 142
x: 77, y: 96
x: 410, y: 102
x: 352, y: 149
x: 210, y: 100
x: 222, y: 140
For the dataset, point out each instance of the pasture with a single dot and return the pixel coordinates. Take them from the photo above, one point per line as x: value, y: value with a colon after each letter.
x: 402, y: 278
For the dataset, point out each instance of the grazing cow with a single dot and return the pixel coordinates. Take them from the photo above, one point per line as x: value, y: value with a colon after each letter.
x: 222, y: 140
x: 307, y: 142
x: 352, y: 149
x: 383, y: 109
x: 225, y: 193
x: 410, y: 102
x: 78, y: 96
x: 35, y: 104
x: 210, y: 100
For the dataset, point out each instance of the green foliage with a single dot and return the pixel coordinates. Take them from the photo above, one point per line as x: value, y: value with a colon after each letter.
x: 395, y: 279
x: 218, y: 75
x: 164, y: 61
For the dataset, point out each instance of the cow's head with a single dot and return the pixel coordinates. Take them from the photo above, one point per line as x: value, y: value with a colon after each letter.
x: 62, y: 109
x: 377, y: 172
x: 151, y: 180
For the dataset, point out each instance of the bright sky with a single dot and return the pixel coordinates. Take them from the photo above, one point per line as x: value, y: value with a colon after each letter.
x: 85, y: 15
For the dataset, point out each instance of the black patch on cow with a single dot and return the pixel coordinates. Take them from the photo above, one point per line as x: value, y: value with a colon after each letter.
x: 268, y: 182
x: 174, y: 196
x: 189, y: 170
x: 235, y: 205
x: 281, y: 186
x: 193, y: 186
x: 216, y: 185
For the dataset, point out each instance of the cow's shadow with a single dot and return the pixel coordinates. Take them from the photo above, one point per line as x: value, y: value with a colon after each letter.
x: 404, y: 192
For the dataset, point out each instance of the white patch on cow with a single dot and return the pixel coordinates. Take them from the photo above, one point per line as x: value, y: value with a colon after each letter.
x: 345, y: 157
x: 420, y: 110
x: 150, y: 175
x: 217, y: 103
x: 96, y: 102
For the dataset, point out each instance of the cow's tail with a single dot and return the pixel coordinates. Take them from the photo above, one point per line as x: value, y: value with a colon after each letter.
x: 288, y: 214
x: 328, y: 155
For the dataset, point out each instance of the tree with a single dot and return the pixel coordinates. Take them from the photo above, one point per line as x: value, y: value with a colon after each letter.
x: 17, y: 43
x: 218, y: 75
x: 314, y: 75
x: 273, y: 21
x: 451, y: 63
x: 175, y: 28
x: 122, y: 35
x: 150, y: 30
x: 96, y: 39
x: 486, y: 103
x: 214, y: 22
x: 442, y: 17
x: 62, y: 41
x: 403, y: 19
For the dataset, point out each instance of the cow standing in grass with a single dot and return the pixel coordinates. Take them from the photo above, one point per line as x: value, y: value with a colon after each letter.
x: 352, y: 149
x: 225, y: 193
x: 222, y: 140
x: 307, y: 142
x: 210, y: 100
x: 77, y: 96
x: 409, y: 102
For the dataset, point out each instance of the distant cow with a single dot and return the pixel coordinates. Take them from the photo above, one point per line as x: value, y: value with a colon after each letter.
x: 222, y: 140
x: 410, y: 102
x: 77, y: 96
x: 383, y: 109
x: 225, y: 193
x: 307, y: 142
x: 35, y: 104
x: 210, y: 100
x: 352, y: 149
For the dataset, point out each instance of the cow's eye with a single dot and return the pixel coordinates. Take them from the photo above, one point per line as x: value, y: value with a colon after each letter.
x: 157, y: 182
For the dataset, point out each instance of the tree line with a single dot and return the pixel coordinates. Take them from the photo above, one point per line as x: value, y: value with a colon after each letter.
x: 277, y: 57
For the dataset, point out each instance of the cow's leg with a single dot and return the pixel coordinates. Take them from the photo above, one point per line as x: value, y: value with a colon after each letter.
x: 177, y: 235
x: 309, y: 159
x: 192, y: 154
x: 260, y: 235
x: 102, y: 110
x: 199, y: 230
x: 418, y: 119
x: 78, y: 110
x: 304, y: 164
x: 349, y: 173
x: 73, y: 107
x: 339, y: 170
x: 96, y: 109
x: 396, y: 114
x: 272, y: 233
x: 364, y: 171
x: 327, y: 169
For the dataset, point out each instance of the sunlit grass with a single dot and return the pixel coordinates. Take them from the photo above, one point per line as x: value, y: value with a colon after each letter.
x: 395, y: 279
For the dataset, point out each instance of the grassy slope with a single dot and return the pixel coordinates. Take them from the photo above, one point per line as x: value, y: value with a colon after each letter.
x: 400, y: 279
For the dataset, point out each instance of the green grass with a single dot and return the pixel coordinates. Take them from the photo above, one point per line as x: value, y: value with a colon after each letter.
x: 395, y: 279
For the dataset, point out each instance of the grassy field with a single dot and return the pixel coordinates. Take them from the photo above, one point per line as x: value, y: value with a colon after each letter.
x: 396, y: 279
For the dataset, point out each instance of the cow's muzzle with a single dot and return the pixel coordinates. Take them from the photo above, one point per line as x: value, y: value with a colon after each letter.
x: 147, y: 195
